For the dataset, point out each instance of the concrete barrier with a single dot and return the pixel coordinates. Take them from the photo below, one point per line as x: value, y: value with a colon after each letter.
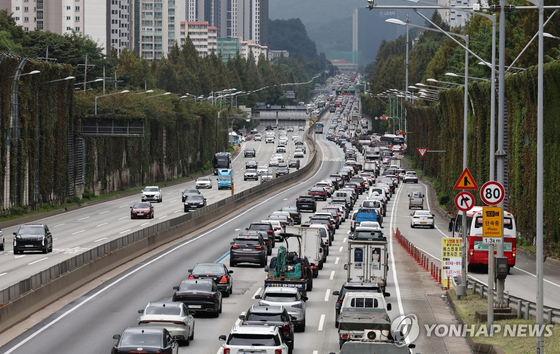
x: 21, y: 300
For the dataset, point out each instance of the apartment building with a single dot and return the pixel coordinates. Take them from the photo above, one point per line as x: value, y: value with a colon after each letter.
x: 203, y: 36
x: 156, y: 29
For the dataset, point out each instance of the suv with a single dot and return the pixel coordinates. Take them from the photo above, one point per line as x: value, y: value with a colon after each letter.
x: 266, y: 315
x: 251, y: 164
x: 250, y: 152
x: 306, y: 202
x: 251, y: 173
x: 152, y: 194
x: 247, y: 339
x: 194, y: 201
x: 265, y: 227
x: 352, y: 286
x: 290, y: 299
x: 249, y: 248
x: 33, y: 237
x: 282, y: 169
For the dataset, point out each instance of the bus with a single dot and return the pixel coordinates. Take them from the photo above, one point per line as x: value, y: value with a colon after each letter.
x: 477, y: 253
x: 392, y: 139
x: 319, y: 128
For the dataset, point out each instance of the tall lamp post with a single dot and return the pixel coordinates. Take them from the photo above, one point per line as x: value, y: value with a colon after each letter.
x: 109, y: 94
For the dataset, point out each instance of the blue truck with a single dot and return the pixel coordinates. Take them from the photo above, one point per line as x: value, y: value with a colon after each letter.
x: 225, y: 179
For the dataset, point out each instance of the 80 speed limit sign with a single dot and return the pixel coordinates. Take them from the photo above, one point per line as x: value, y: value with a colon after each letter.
x: 492, y: 193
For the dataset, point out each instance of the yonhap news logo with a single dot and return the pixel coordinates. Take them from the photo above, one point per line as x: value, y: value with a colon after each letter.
x: 405, y: 329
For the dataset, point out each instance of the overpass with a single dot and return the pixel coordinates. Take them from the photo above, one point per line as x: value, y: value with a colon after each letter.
x: 277, y: 115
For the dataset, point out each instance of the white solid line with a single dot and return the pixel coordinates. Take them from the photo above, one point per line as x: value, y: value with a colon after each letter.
x: 332, y: 275
x: 78, y: 232
x: 80, y: 219
x: 162, y: 217
x: 99, y: 240
x: 56, y: 238
x: 176, y: 211
x: 122, y: 232
x: 3, y: 274
x: 136, y: 270
x: 58, y: 225
x: 534, y: 276
x: 257, y: 292
x: 104, y: 212
x: 340, y: 249
x: 37, y: 261
x: 144, y: 224
x: 315, y: 352
x: 102, y: 224
x: 124, y: 217
x: 327, y: 293
x: 336, y: 260
x: 321, y: 322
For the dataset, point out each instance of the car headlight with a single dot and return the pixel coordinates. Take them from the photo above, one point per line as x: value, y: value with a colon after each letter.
x: 18, y: 237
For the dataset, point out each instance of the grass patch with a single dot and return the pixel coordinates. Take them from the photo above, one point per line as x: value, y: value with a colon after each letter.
x: 466, y: 308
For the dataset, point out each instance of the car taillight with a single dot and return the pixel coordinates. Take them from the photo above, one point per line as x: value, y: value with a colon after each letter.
x: 259, y: 247
x: 513, y: 251
x: 286, y: 329
x: 313, y: 266
x: 344, y: 336
x: 471, y: 252
x: 330, y: 225
x: 224, y: 279
x: 277, y: 228
x: 191, y: 276
x: 270, y: 232
x: 235, y: 246
x: 226, y: 351
x: 277, y: 351
x: 340, y: 301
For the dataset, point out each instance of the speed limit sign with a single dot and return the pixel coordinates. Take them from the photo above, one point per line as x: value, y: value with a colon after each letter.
x: 492, y: 193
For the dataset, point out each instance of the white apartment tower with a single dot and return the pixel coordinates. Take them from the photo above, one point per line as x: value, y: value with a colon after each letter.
x: 156, y: 27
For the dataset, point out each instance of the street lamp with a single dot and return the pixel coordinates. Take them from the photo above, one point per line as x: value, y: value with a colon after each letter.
x: 444, y: 82
x: 109, y: 94
x: 402, y: 23
x: 468, y: 77
x: 139, y: 93
x: 161, y: 94
x: 87, y: 82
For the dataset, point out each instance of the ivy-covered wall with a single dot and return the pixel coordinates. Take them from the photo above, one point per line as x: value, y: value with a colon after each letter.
x: 440, y: 127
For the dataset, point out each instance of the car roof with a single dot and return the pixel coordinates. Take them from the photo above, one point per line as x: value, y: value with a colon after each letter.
x: 164, y: 304
x: 253, y: 329
x: 280, y: 289
x: 266, y: 309
x: 144, y: 329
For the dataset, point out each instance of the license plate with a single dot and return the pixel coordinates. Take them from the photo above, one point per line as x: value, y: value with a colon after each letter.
x: 247, y: 249
x: 28, y: 245
x: 423, y: 222
x: 194, y: 306
x: 140, y: 213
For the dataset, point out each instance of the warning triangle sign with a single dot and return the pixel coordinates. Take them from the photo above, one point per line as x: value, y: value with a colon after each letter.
x: 466, y: 181
x: 422, y: 151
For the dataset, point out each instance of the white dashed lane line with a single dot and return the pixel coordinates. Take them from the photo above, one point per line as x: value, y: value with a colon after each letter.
x: 37, y: 261
x: 102, y: 224
x: 78, y: 232
x: 99, y: 240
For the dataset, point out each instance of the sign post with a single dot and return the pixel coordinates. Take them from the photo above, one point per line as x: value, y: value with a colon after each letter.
x: 422, y: 151
x: 451, y: 260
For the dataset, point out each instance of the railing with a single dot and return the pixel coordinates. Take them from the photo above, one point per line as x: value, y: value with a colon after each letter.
x: 525, y: 308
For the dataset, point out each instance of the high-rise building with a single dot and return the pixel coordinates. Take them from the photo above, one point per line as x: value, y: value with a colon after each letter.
x: 106, y: 22
x: 156, y: 29
x: 203, y: 37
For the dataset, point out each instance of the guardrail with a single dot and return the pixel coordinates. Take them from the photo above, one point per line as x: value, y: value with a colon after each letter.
x: 20, y: 300
x: 525, y: 309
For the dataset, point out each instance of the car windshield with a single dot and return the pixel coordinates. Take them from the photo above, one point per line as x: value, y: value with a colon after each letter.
x: 141, y: 340
x: 423, y: 213
x: 190, y: 191
x: 150, y: 189
x: 366, y: 235
x: 280, y: 297
x: 264, y: 317
x: 262, y: 227
x: 31, y: 229
x: 195, y: 285
x: 204, y: 179
x: 162, y: 310
x: 256, y: 340
x: 195, y: 197
x: 208, y: 269
x: 141, y: 205
x: 247, y: 243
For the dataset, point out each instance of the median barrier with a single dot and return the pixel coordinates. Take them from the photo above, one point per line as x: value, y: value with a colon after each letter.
x: 30, y: 295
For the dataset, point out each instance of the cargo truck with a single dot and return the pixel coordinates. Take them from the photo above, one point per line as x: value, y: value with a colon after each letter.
x: 368, y: 261
x: 310, y: 246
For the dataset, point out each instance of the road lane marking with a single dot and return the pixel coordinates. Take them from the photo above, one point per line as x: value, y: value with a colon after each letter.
x: 340, y: 249
x: 344, y: 240
x: 257, y: 292
x: 104, y: 212
x: 19, y: 256
x: 37, y: 261
x: 162, y: 217
x: 144, y: 224
x: 315, y: 352
x: 56, y: 238
x: 102, y: 224
x: 122, y: 232
x: 80, y: 219
x: 78, y: 232
x: 58, y: 225
x: 176, y: 211
x: 123, y: 206
x: 1, y: 274
x: 327, y: 293
x: 336, y: 260
x: 332, y: 275
x: 174, y: 200
x: 321, y: 322
x: 99, y: 240
x: 124, y: 217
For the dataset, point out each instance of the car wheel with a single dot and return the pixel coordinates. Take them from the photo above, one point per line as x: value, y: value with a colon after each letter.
x: 220, y: 309
x: 302, y: 327
x: 335, y: 324
x: 2, y: 247
x: 231, y: 263
x: 50, y: 248
x: 186, y: 210
x: 46, y: 249
x: 431, y: 226
x: 263, y: 263
x: 153, y: 215
x: 412, y: 226
x: 186, y: 342
x: 192, y: 334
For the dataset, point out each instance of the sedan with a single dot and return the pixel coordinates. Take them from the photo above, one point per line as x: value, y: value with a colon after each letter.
x: 258, y: 137
x: 188, y: 191
x: 33, y: 237
x: 194, y: 201
x: 203, y: 182
x: 149, y: 339
x: 411, y: 177
x: 217, y: 272
x: 142, y: 210
x: 199, y: 295
x: 298, y: 154
x: 294, y: 163
x: 281, y: 148
x: 318, y: 193
x: 279, y: 157
x: 422, y: 218
x: 273, y: 162
x: 173, y: 316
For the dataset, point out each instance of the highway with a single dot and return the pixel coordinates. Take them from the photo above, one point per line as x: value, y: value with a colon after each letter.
x: 85, y: 228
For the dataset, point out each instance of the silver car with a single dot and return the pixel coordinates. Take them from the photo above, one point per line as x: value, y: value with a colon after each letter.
x: 173, y: 316
x: 290, y: 299
x: 203, y: 182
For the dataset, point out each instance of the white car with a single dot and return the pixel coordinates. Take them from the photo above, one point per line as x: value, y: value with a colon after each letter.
x: 203, y: 182
x: 254, y: 339
x: 278, y: 157
x: 277, y: 226
x: 257, y: 137
x: 410, y: 176
x: 290, y: 299
x: 273, y: 162
x: 269, y: 139
x: 152, y: 193
x: 173, y: 316
x: 280, y: 148
x: 422, y: 218
x: 298, y: 153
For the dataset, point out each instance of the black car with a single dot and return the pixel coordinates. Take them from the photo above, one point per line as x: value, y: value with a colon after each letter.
x: 282, y: 169
x: 306, y: 202
x: 143, y: 339
x: 294, y: 213
x: 263, y: 227
x: 33, y: 237
x: 250, y: 152
x: 199, y: 295
x: 216, y: 271
x: 188, y: 191
x: 294, y: 163
x: 353, y: 286
x: 318, y: 193
x: 262, y: 315
x: 248, y: 249
x: 251, y: 164
x: 194, y: 201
